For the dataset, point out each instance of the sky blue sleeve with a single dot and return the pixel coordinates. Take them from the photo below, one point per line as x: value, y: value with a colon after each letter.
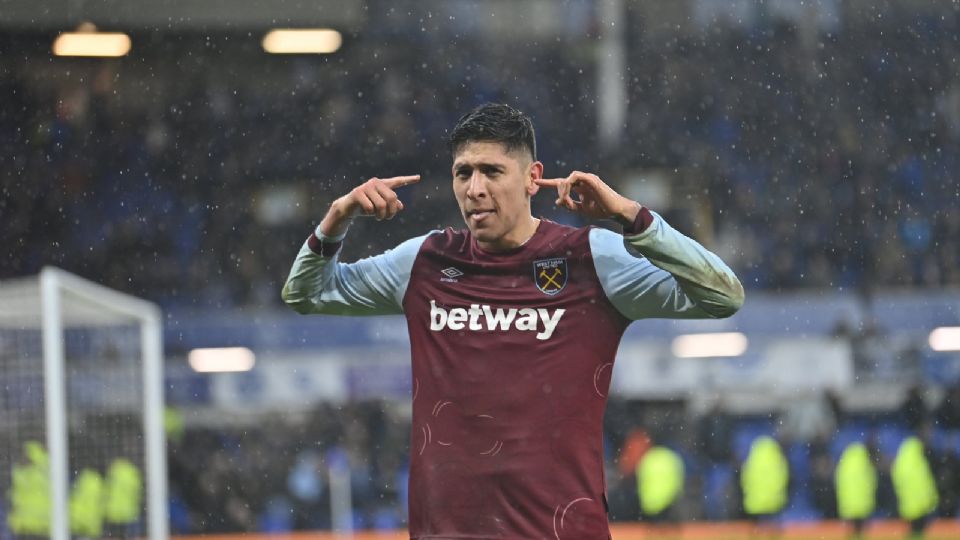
x: 372, y: 286
x: 676, y: 277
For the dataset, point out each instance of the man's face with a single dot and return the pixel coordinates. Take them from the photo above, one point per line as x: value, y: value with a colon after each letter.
x: 493, y: 188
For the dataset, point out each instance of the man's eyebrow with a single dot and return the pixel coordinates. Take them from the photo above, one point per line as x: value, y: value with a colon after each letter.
x: 481, y: 165
x: 496, y: 166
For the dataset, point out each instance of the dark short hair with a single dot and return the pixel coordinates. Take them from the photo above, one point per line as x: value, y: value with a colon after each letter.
x: 495, y: 122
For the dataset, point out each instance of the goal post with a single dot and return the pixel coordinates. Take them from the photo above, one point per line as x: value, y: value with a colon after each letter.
x: 101, y: 353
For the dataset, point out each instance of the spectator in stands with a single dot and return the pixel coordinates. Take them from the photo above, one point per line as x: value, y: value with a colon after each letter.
x: 947, y: 414
x: 714, y: 432
x: 821, y: 481
x: 713, y: 447
x: 940, y: 451
x: 946, y: 468
x: 621, y: 479
x: 811, y: 418
x: 306, y: 486
x: 913, y: 411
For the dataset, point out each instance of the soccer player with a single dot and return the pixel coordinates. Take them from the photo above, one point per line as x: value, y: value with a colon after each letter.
x: 514, y: 323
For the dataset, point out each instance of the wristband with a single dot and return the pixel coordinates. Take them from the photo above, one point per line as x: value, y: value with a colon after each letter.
x: 640, y: 223
x: 325, y: 247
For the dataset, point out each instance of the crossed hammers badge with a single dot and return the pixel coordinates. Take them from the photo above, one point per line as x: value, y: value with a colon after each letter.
x: 550, y: 275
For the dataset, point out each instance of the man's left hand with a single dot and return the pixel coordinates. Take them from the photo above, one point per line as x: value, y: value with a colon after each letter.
x: 597, y: 200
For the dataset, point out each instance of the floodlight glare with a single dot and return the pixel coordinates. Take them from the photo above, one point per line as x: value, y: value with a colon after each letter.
x: 722, y: 344
x: 302, y: 41
x: 221, y: 360
x: 95, y: 44
x: 945, y: 338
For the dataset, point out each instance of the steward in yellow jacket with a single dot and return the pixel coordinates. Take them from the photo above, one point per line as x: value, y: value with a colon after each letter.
x: 660, y: 476
x: 913, y: 482
x: 764, y: 478
x: 856, y: 482
x: 30, y: 493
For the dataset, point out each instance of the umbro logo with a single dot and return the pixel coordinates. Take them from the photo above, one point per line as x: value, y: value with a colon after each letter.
x: 451, y: 274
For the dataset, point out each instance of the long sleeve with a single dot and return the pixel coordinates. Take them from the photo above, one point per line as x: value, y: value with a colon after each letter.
x: 319, y: 283
x: 675, y: 278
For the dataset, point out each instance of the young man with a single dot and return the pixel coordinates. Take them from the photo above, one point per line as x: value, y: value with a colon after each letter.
x: 514, y: 324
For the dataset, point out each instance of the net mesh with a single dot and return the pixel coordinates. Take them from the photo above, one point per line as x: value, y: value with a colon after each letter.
x: 103, y: 380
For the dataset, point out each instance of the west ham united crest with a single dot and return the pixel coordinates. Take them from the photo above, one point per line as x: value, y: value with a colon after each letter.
x: 550, y: 275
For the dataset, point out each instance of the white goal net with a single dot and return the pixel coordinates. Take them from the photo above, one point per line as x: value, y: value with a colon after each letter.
x: 82, y: 447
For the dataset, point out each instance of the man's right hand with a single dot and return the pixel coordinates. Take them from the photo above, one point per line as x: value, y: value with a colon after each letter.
x: 375, y: 197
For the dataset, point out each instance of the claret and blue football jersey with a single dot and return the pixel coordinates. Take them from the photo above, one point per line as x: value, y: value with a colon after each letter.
x: 511, y: 355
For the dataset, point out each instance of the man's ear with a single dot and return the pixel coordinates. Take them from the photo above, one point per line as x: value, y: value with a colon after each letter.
x: 535, y: 173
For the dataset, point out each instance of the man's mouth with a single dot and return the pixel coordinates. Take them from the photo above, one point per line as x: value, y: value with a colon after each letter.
x: 477, y: 216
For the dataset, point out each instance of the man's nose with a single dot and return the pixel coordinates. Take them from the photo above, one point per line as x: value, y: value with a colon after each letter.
x: 477, y: 187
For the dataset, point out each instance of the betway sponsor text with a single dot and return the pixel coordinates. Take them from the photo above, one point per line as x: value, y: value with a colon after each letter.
x: 483, y: 317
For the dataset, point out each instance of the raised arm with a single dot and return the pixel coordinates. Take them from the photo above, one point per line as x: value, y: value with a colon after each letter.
x: 319, y: 283
x: 675, y: 277
x: 375, y: 197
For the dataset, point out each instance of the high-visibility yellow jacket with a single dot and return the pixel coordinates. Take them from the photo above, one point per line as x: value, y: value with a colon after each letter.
x: 913, y: 481
x: 856, y: 482
x: 86, y: 504
x: 764, y: 478
x: 660, y: 476
x: 124, y: 492
x: 30, y: 493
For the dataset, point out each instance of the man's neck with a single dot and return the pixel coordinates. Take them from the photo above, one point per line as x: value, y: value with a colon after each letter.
x: 518, y: 237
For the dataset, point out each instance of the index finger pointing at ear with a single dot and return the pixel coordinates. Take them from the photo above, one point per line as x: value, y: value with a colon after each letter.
x: 552, y: 182
x: 400, y: 181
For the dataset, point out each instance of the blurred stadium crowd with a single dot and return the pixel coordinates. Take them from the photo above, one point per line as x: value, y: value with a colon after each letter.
x: 813, y: 165
x: 275, y: 476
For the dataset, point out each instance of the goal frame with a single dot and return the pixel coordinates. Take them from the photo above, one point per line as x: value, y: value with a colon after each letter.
x: 54, y: 282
